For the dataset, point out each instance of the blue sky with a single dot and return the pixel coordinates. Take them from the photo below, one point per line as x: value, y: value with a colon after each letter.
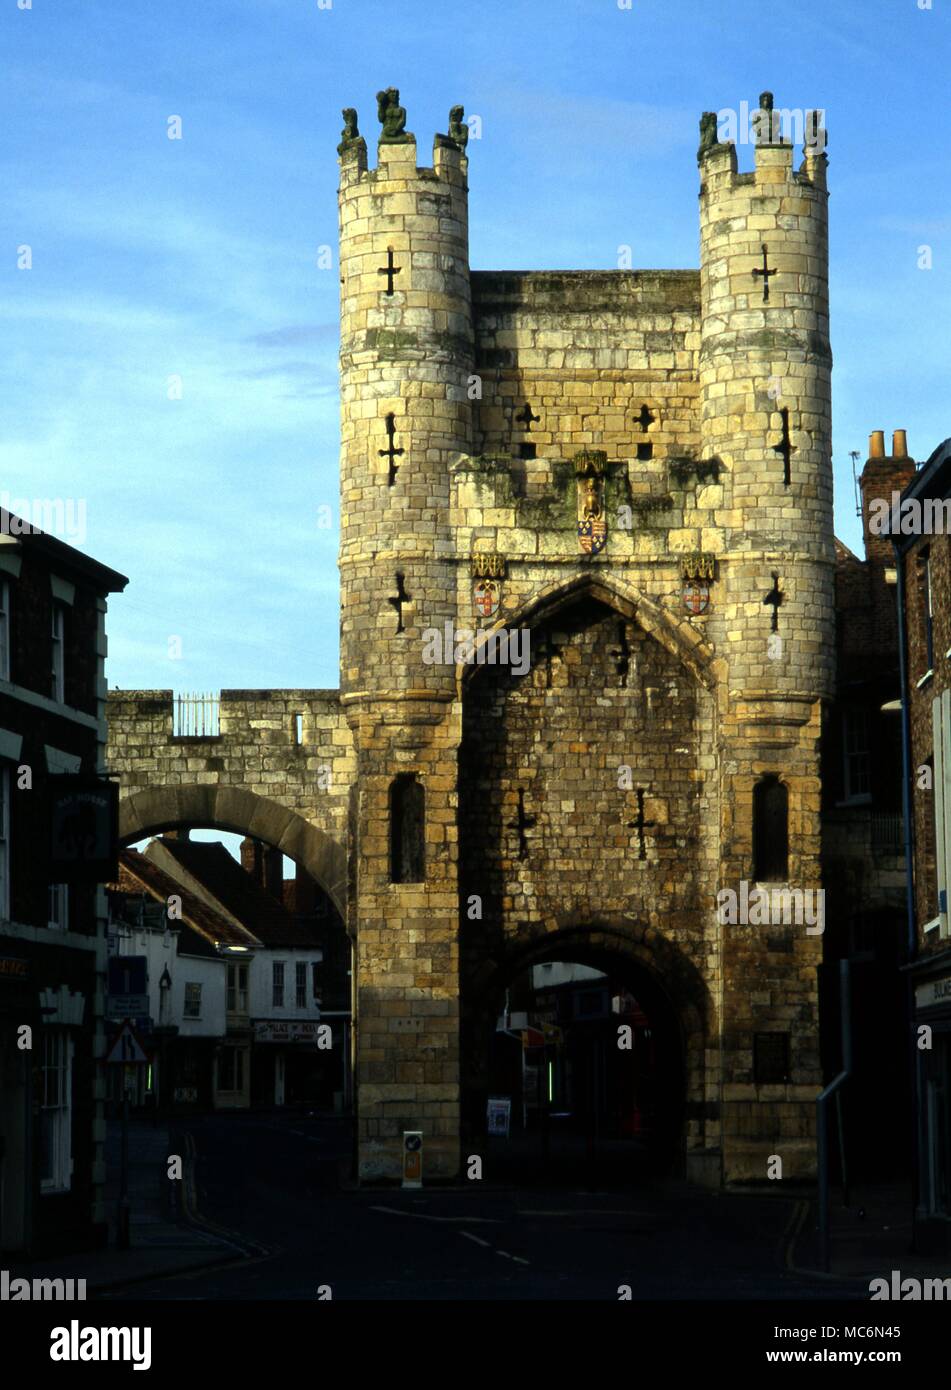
x: 198, y: 257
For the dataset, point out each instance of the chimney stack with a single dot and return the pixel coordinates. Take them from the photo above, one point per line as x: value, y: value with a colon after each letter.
x: 883, y: 476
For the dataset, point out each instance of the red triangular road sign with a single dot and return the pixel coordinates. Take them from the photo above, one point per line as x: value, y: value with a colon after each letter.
x: 125, y: 1047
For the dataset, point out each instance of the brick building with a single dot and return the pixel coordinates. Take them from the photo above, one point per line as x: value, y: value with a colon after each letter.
x: 863, y: 846
x: 628, y: 474
x: 919, y: 526
x: 52, y: 935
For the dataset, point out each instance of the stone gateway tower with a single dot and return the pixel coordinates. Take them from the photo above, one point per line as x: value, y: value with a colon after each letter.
x: 586, y: 580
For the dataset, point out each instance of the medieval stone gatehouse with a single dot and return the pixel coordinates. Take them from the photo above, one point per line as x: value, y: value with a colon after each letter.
x: 586, y: 566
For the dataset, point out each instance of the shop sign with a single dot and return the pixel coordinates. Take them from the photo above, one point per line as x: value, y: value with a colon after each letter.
x: 934, y: 993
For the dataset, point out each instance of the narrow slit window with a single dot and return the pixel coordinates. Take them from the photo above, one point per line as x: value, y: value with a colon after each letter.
x: 298, y: 729
x: 407, y: 829
x: 770, y: 831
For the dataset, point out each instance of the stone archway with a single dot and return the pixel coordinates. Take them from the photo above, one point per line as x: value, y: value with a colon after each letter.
x: 672, y: 630
x: 668, y: 985
x: 155, y: 809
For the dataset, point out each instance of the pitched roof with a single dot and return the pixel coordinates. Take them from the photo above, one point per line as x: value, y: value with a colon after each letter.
x: 235, y: 891
x: 138, y: 873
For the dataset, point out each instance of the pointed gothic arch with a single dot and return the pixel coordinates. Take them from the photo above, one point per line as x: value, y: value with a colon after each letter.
x: 673, y: 632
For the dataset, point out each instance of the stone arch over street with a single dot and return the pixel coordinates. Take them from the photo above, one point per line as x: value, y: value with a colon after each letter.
x: 668, y: 986
x: 154, y: 809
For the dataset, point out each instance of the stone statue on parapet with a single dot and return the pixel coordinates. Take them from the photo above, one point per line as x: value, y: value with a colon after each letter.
x: 392, y: 117
x: 764, y: 122
x: 350, y: 134
x: 708, y: 134
x: 458, y: 131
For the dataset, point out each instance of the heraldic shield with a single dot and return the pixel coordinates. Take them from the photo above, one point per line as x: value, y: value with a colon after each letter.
x: 486, y: 594
x: 592, y: 535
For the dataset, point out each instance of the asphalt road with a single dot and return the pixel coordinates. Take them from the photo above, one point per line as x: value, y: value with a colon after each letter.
x: 272, y: 1181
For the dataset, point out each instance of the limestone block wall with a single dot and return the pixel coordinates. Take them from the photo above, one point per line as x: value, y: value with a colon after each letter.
x: 587, y: 351
x: 256, y: 749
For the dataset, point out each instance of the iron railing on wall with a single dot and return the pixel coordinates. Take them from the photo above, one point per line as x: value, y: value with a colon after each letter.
x: 196, y: 716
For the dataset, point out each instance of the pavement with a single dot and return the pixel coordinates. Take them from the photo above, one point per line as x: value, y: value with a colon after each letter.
x: 167, y: 1235
x: 869, y: 1238
x: 260, y: 1213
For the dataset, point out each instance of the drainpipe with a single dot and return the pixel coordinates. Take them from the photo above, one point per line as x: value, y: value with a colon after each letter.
x: 907, y: 801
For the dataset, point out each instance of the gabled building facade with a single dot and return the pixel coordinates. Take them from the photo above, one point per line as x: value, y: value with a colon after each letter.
x: 53, y: 604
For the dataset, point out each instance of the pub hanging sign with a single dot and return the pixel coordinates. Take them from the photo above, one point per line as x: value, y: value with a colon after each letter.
x: 84, y: 829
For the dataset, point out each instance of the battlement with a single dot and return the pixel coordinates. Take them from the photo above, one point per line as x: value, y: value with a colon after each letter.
x: 396, y: 149
x: 773, y: 154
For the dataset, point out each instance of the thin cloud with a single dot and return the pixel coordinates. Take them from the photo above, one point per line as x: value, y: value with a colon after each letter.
x: 294, y: 334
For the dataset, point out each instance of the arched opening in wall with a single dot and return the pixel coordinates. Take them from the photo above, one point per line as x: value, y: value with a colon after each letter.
x: 770, y: 830
x: 237, y: 964
x: 578, y: 1072
x: 407, y: 829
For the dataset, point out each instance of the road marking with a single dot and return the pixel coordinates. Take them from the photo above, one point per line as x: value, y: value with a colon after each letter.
x: 581, y: 1211
x: 422, y: 1216
x: 469, y: 1236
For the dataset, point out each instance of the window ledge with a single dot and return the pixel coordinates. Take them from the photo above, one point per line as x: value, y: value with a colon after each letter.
x: 933, y: 925
x: 924, y: 679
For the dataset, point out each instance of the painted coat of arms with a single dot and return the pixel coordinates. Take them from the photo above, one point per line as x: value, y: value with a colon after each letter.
x: 486, y: 596
x: 696, y: 596
x: 697, y: 571
x: 488, y: 569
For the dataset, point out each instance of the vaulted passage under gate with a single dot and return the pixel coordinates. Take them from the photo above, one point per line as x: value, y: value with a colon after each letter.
x: 586, y: 807
x: 585, y: 1049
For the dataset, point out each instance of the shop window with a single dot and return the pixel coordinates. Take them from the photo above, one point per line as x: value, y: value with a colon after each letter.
x: 55, y: 1111
x: 231, y: 1069
x: 407, y: 829
x: 770, y: 831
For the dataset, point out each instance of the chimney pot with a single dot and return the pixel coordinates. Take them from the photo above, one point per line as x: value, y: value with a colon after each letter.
x: 876, y: 444
x: 899, y: 445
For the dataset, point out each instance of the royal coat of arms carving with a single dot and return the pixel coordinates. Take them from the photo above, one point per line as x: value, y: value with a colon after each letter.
x: 592, y: 521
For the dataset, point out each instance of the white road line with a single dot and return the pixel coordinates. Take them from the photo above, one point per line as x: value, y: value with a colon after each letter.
x: 469, y: 1236
x: 422, y: 1216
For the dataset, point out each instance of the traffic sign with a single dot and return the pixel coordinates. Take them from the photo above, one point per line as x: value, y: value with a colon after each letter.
x: 412, y: 1158
x: 125, y: 1048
